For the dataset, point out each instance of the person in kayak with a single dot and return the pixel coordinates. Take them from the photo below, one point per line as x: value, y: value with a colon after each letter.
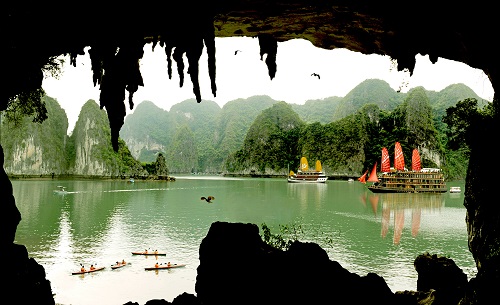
x: 156, y: 265
x: 82, y: 269
x: 92, y: 267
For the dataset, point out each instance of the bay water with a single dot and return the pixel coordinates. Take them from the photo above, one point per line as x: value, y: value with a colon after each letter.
x: 103, y: 221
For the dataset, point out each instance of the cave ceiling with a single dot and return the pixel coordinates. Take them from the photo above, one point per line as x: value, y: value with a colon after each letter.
x: 36, y: 32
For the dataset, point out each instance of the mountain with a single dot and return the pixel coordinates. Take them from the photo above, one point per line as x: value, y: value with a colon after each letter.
x: 216, y: 132
x: 89, y: 147
x: 370, y: 91
x: 36, y: 148
x: 45, y: 149
x: 270, y: 143
x: 147, y: 131
x: 233, y: 123
x: 244, y: 135
x: 321, y: 111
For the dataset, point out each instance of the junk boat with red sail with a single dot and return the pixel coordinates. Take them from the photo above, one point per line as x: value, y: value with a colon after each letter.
x: 401, y: 180
x: 306, y: 175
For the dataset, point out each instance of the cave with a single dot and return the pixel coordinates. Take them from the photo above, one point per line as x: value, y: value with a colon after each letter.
x: 38, y: 32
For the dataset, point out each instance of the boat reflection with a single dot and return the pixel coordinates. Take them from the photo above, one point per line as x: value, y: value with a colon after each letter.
x: 306, y: 193
x: 399, y: 205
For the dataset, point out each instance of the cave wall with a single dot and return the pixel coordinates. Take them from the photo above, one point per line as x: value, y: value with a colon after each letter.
x: 35, y: 32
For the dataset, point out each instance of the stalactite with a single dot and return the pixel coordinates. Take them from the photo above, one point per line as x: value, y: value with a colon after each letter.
x: 168, y: 51
x: 193, y: 54
x: 269, y: 45
x: 121, y: 72
x: 178, y: 53
x: 209, y: 39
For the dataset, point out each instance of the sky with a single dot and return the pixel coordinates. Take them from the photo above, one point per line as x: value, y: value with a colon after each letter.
x: 244, y: 74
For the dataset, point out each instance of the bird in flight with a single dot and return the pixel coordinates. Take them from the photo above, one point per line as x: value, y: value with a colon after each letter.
x: 236, y: 52
x: 208, y: 199
x: 315, y: 74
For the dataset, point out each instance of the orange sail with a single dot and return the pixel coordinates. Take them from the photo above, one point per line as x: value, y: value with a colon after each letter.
x: 373, y: 175
x: 385, y: 166
x: 399, y: 159
x: 415, y: 161
x: 362, y: 179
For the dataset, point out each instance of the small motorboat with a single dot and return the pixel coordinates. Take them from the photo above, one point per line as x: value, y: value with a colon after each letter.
x: 455, y: 189
x: 61, y: 190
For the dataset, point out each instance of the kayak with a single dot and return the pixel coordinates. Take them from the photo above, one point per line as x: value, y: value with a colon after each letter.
x: 88, y: 271
x: 165, y: 267
x: 149, y: 253
x: 119, y: 265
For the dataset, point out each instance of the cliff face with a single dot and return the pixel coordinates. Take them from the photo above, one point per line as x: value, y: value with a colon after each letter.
x: 27, y: 158
x: 44, y: 149
x: 87, y: 149
x: 93, y: 154
x: 33, y: 148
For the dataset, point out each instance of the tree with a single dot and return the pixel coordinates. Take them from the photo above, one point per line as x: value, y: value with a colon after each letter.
x: 27, y: 104
x: 458, y: 120
x: 160, y: 166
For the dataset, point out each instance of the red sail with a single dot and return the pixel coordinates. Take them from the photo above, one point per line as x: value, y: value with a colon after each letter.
x: 362, y: 179
x: 415, y: 161
x: 386, y: 163
x: 373, y: 175
x: 399, y: 159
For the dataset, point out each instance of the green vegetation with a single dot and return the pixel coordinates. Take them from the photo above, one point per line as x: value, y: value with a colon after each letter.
x: 295, y: 232
x: 288, y: 234
x: 257, y: 135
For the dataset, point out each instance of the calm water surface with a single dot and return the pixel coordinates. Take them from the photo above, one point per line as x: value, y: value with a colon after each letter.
x: 100, y: 222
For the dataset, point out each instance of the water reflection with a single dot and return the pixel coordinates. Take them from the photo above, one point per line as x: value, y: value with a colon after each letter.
x: 400, y: 206
x: 307, y: 193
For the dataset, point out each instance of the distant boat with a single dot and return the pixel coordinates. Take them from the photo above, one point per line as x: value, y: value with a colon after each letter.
x: 306, y: 175
x: 455, y: 189
x: 350, y: 180
x: 61, y: 190
x: 131, y: 180
x: 401, y: 180
x: 362, y: 179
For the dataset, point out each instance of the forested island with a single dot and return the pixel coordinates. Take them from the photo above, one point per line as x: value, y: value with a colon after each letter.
x: 254, y: 136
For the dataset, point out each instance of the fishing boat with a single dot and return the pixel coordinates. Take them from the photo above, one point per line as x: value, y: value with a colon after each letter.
x: 401, y: 180
x: 306, y: 175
